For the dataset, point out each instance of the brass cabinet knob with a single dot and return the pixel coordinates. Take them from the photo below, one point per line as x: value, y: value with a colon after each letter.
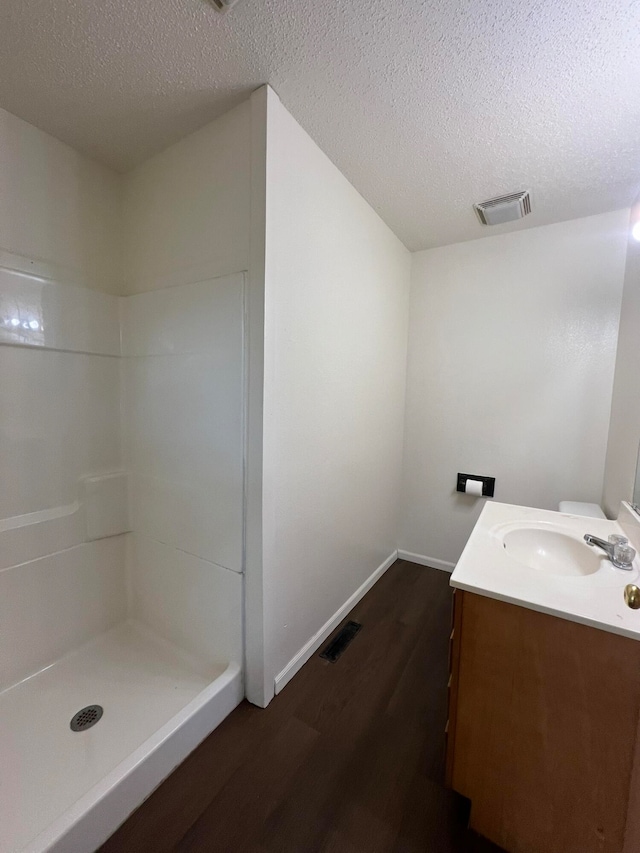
x: 632, y: 596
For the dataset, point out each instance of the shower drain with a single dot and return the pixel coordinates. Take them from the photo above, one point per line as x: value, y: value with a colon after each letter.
x: 85, y: 718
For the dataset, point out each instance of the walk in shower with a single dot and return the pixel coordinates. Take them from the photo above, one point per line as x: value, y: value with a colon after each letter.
x: 121, y: 545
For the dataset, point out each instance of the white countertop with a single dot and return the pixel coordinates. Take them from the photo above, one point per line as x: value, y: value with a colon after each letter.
x: 596, y: 599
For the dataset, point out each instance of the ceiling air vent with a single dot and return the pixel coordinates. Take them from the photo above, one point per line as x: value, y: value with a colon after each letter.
x: 505, y: 208
x: 222, y: 5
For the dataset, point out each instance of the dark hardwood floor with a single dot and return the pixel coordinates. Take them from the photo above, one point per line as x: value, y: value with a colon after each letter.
x: 348, y: 758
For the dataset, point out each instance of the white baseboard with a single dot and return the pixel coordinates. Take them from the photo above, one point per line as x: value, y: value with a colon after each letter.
x: 296, y: 663
x: 444, y: 565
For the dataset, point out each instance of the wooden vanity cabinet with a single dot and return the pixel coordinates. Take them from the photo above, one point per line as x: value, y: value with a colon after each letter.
x: 543, y: 729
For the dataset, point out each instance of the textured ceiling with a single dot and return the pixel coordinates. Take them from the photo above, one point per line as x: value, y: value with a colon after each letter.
x: 425, y: 105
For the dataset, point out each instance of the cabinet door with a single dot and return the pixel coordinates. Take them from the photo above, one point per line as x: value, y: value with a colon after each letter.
x: 454, y: 662
x: 546, y: 720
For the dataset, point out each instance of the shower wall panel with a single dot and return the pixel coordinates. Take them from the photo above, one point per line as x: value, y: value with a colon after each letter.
x: 183, y: 379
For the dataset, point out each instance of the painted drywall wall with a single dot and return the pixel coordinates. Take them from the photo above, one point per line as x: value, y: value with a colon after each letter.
x: 512, y: 347
x: 59, y: 211
x: 624, y: 429
x: 187, y: 210
x: 336, y: 299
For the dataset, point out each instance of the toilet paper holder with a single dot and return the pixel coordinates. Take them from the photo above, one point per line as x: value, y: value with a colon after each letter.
x: 488, y: 483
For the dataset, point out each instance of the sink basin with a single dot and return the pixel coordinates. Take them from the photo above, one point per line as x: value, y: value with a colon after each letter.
x: 538, y: 559
x: 552, y: 552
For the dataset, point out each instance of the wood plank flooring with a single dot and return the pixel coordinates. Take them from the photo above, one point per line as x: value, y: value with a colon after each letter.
x: 349, y: 758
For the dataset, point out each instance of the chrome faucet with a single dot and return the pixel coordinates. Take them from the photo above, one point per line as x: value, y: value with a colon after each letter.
x: 619, y: 551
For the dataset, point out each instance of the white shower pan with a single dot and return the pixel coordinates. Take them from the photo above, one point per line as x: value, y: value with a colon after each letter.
x: 152, y: 636
x: 67, y: 791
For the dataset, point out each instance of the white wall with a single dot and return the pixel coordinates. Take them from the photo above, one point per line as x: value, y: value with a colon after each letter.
x: 60, y: 392
x: 186, y: 225
x: 59, y: 211
x: 512, y: 347
x: 624, y: 430
x: 336, y: 290
x: 183, y: 377
x: 183, y: 404
x: 59, y: 424
x: 187, y: 210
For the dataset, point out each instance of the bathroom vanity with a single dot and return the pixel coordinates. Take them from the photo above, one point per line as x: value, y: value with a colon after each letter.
x: 544, y: 691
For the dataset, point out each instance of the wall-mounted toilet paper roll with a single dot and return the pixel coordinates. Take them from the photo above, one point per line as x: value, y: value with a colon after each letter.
x: 476, y: 485
x: 473, y: 487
